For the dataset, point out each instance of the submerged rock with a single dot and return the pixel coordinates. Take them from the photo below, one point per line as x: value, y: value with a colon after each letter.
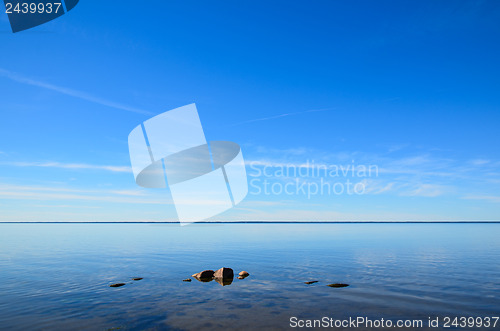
x: 224, y: 273
x: 137, y: 278
x: 312, y: 282
x: 205, y: 274
x: 244, y: 274
x: 186, y: 280
x: 116, y: 284
x: 241, y: 277
x: 338, y: 285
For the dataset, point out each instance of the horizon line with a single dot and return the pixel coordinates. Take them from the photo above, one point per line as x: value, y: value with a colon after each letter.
x: 250, y: 222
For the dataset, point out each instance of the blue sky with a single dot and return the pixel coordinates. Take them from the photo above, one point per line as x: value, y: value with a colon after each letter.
x: 410, y: 87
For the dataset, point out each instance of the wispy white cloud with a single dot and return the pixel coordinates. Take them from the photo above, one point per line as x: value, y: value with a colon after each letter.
x: 280, y: 116
x: 495, y: 199
x: 396, y: 147
x: 479, y: 162
x: 422, y: 165
x: 376, y: 186
x: 427, y: 190
x: 46, y: 193
x: 419, y: 175
x: 70, y: 92
x: 134, y: 193
x: 65, y: 206
x: 55, y: 194
x: 75, y: 166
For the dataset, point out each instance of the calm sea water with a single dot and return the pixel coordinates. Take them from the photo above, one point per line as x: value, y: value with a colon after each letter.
x: 57, y: 276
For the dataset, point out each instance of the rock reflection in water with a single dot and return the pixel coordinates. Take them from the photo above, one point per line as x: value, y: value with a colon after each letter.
x: 224, y: 281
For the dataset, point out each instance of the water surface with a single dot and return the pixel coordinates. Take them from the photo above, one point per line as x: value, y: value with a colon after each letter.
x: 57, y: 276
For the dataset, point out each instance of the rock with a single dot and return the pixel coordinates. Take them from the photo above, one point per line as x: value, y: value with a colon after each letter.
x: 312, y: 282
x: 338, y: 285
x: 186, y: 280
x: 205, y: 274
x: 224, y: 273
x: 224, y: 281
x: 116, y: 284
x: 137, y: 278
x: 243, y: 275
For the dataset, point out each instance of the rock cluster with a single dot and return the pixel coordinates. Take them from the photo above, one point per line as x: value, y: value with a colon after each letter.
x: 223, y: 276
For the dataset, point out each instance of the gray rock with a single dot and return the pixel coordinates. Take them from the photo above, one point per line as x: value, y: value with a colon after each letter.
x: 244, y: 274
x: 116, y: 284
x: 137, y: 278
x: 205, y: 274
x: 224, y: 273
x: 186, y: 280
x: 311, y: 282
x: 338, y: 285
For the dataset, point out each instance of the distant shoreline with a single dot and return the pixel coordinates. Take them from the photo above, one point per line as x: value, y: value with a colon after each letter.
x: 271, y: 222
